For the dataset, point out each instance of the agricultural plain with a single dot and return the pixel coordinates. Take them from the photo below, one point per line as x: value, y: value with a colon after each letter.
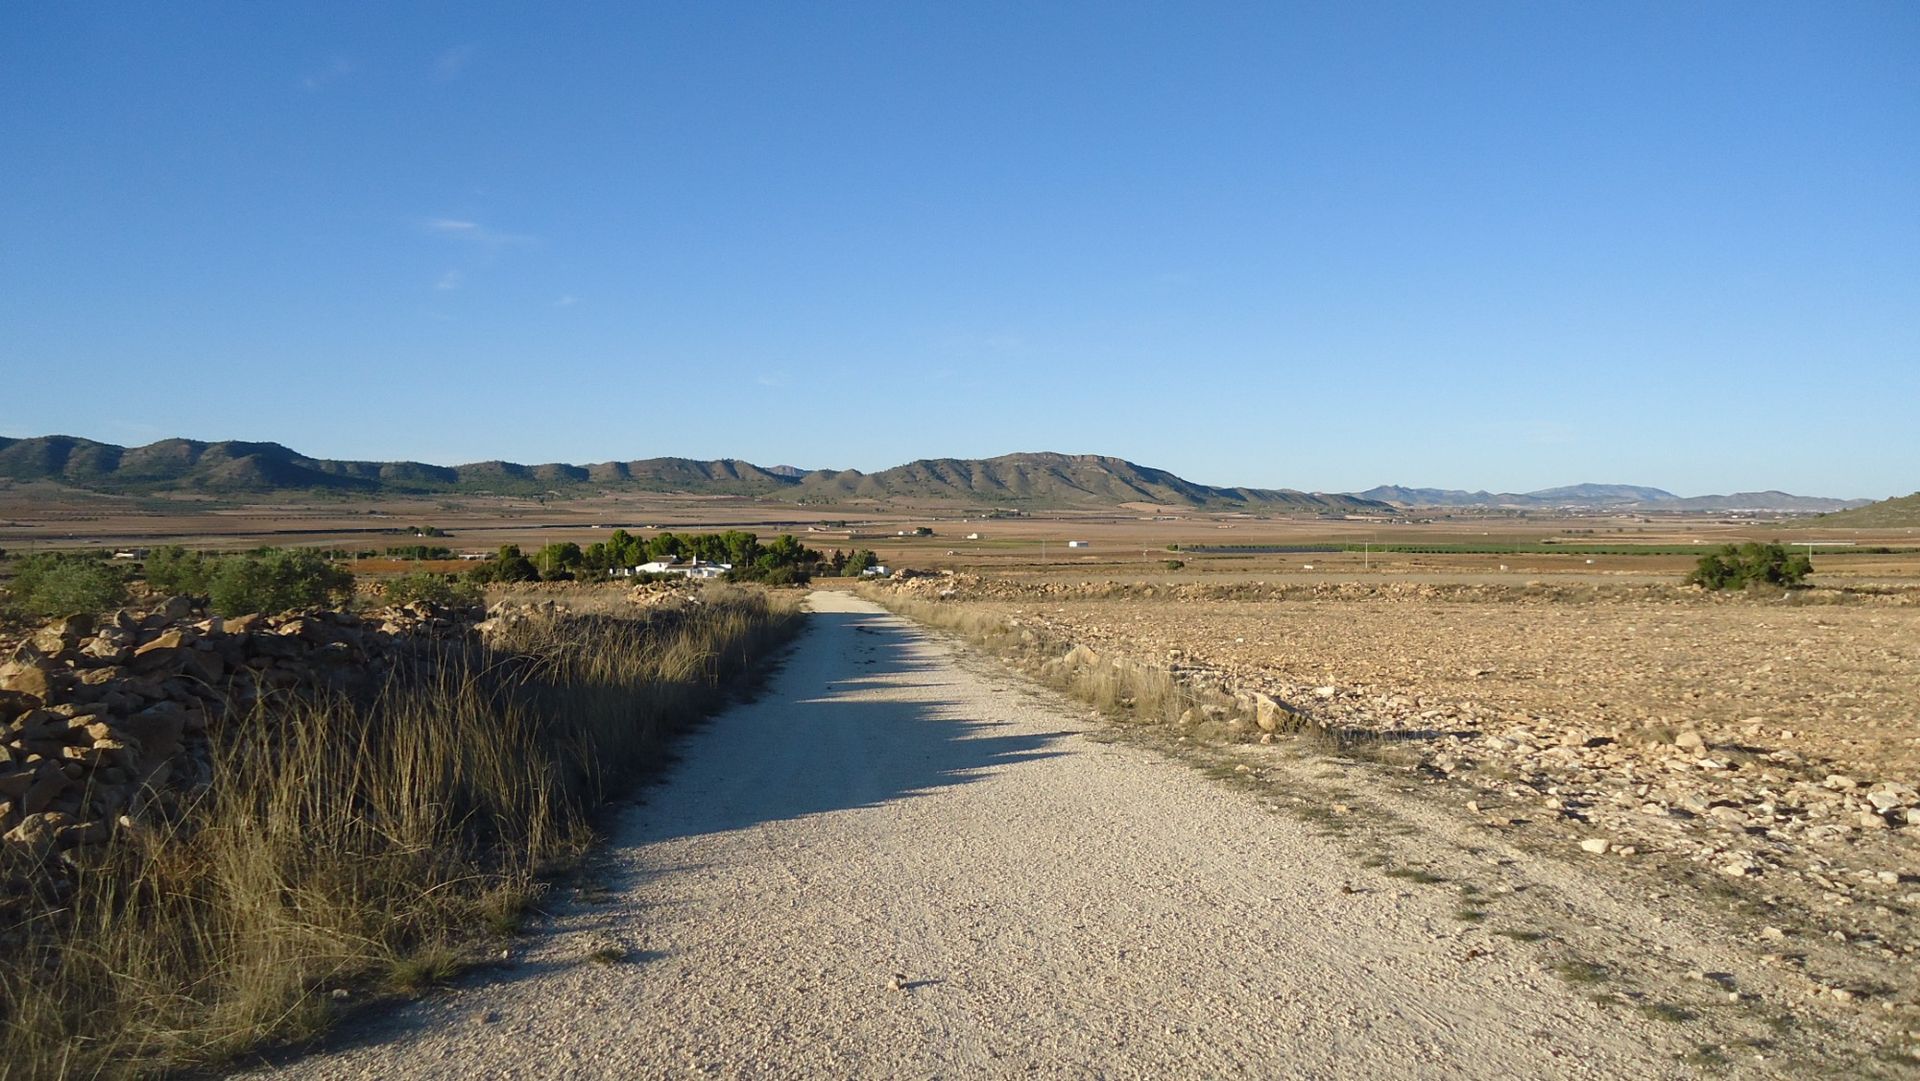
x: 1708, y: 798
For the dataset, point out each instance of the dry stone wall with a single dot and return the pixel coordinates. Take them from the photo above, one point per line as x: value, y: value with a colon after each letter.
x: 105, y: 722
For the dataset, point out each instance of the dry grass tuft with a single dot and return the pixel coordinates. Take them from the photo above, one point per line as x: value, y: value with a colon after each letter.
x: 359, y: 844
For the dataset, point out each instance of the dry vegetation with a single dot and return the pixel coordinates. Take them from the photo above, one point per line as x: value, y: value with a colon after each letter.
x: 346, y: 851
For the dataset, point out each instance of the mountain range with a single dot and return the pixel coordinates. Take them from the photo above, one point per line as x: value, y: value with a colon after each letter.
x: 234, y: 468
x: 1038, y: 479
x: 1607, y: 497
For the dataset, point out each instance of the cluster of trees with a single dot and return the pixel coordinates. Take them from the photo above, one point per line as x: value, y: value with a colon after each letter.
x: 50, y: 584
x: 623, y: 549
x: 419, y: 551
x: 782, y: 561
x: 1751, y: 564
x: 279, y: 579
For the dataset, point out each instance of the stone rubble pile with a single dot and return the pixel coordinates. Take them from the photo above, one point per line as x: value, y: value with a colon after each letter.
x: 104, y: 722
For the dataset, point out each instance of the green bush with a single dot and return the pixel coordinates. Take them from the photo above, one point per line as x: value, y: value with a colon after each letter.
x: 1750, y: 564
x: 61, y: 584
x: 431, y: 588
x: 173, y: 569
x: 276, y: 580
x: 1173, y: 564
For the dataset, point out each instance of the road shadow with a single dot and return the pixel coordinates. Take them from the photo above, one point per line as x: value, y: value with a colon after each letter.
x: 866, y: 712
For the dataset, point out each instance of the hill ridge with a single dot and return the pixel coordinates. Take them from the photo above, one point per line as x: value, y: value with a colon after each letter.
x: 235, y: 467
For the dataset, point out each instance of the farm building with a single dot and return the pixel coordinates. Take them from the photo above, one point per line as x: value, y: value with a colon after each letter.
x: 696, y: 569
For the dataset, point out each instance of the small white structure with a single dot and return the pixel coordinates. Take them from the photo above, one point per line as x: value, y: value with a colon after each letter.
x: 696, y: 569
x: 973, y: 536
x: 1076, y: 544
x: 878, y: 570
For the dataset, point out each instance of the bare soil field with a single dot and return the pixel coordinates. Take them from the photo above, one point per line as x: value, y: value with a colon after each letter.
x: 1759, y: 755
x: 1133, y: 542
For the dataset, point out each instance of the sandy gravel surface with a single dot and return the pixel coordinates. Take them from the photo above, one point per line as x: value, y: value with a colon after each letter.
x: 1055, y: 906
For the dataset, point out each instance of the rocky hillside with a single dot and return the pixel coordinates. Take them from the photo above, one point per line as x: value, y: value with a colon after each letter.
x: 1886, y: 514
x: 1061, y: 479
x: 252, y: 468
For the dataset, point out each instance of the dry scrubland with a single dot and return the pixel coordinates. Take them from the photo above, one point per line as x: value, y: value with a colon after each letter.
x: 224, y: 833
x: 1755, y: 757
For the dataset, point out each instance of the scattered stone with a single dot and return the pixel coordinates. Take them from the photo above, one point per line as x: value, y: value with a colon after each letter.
x: 1596, y: 845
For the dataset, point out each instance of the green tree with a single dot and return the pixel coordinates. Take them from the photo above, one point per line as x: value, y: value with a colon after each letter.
x: 510, y: 566
x: 859, y: 561
x: 558, y: 558
x: 1748, y: 564
x: 625, y: 550
x: 738, y: 548
x: 664, y: 546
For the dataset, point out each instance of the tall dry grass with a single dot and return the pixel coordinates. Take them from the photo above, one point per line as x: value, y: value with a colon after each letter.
x: 1124, y: 689
x: 359, y: 845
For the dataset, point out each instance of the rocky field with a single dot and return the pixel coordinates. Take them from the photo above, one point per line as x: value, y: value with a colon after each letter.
x: 1763, y: 750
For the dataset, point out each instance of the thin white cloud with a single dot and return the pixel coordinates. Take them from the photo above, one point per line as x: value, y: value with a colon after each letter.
x: 449, y: 281
x: 474, y: 233
x: 337, y: 69
x: 566, y: 301
x: 452, y: 63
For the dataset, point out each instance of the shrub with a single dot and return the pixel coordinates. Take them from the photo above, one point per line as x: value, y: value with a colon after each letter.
x: 62, y: 584
x: 431, y: 588
x: 1750, y: 564
x: 1173, y: 564
x: 173, y: 569
x: 275, y: 581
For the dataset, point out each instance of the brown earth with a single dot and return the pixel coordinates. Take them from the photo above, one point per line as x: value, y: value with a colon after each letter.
x: 1761, y: 753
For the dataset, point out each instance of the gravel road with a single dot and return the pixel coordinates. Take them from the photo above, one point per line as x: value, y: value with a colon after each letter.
x: 901, y: 863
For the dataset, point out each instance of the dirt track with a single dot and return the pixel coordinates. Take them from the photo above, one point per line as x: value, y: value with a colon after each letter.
x: 1056, y: 906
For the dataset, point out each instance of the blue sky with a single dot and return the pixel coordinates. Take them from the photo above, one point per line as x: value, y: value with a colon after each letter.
x: 1311, y: 245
